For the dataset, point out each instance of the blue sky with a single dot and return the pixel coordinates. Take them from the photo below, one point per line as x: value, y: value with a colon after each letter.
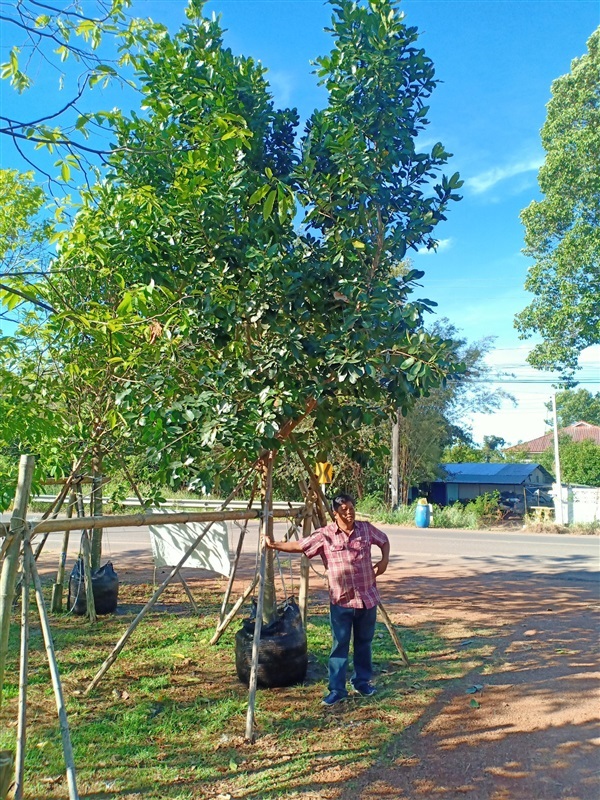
x: 496, y: 61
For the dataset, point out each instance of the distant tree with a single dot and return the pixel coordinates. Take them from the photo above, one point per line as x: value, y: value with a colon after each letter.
x: 462, y: 454
x: 436, y: 421
x: 562, y: 231
x: 575, y: 406
x: 491, y: 447
x: 579, y: 461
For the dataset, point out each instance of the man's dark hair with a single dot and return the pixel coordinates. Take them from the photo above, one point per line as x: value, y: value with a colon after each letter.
x: 340, y: 499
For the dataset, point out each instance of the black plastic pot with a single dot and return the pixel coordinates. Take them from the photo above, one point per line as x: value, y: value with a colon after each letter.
x: 105, y: 586
x: 282, y: 653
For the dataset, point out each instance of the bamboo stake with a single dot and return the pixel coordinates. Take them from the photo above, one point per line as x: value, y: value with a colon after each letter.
x: 8, y: 578
x: 234, y: 609
x: 23, y: 665
x: 139, y: 520
x: 66, y: 486
x: 264, y: 532
x: 7, y: 758
x: 55, y: 675
x: 96, y: 507
x: 236, y: 559
x: 395, y: 638
x: 5, y: 544
x: 193, y: 603
x: 57, y: 589
x: 161, y: 518
x: 90, y: 604
x: 305, y: 563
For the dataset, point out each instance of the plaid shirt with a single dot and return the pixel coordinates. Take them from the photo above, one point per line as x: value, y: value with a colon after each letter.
x: 347, y: 560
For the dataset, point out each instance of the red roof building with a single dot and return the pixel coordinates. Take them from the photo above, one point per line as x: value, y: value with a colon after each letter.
x: 578, y: 432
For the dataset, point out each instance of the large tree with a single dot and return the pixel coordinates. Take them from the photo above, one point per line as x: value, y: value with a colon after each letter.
x: 579, y: 461
x: 562, y: 231
x: 576, y: 405
x: 223, y: 282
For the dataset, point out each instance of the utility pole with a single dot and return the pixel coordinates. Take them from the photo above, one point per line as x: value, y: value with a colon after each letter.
x: 558, y: 506
x: 395, y: 459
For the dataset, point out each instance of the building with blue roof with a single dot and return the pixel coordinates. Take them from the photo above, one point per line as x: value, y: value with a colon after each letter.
x: 464, y: 482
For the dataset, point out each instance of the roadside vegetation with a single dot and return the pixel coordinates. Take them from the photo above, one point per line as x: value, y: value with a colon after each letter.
x: 481, y: 512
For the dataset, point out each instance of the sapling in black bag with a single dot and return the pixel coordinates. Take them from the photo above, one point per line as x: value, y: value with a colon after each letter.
x: 105, y: 587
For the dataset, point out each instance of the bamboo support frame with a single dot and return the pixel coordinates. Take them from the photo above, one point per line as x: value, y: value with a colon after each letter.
x: 161, y: 519
x: 96, y: 507
x: 58, y: 588
x: 55, y: 676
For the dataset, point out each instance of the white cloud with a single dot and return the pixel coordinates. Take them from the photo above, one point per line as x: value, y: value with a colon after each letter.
x: 487, y: 180
x: 442, y: 244
x: 282, y: 86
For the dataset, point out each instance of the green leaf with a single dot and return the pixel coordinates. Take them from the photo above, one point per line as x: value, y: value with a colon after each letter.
x: 259, y: 194
x: 269, y: 203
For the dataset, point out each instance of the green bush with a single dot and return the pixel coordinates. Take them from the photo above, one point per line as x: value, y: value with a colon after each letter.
x: 469, y: 517
x: 486, y: 506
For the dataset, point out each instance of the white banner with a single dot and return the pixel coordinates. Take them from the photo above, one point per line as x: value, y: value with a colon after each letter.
x: 170, y: 543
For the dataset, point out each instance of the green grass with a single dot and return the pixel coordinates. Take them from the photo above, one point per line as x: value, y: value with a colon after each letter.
x: 168, y: 719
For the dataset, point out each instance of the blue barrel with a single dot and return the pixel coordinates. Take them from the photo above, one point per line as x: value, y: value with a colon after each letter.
x: 422, y: 515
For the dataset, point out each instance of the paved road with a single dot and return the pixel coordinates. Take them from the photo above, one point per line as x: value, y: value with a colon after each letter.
x: 563, y: 556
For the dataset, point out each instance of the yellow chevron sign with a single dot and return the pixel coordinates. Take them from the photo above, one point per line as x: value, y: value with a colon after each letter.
x: 324, y: 471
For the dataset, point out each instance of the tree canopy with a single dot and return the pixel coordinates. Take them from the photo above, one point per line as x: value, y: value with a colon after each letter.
x: 562, y: 231
x: 223, y: 280
x: 579, y: 461
x: 576, y: 405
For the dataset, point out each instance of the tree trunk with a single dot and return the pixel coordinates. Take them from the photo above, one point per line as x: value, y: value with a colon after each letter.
x: 269, y: 611
x: 96, y: 507
x: 11, y: 557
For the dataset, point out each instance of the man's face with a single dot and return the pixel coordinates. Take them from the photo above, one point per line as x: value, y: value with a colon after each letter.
x: 345, y: 513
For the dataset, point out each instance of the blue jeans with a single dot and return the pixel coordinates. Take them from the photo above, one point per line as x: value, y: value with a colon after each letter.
x: 344, y: 622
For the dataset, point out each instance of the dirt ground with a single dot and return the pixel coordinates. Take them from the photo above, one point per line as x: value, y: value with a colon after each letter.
x: 535, y: 733
x: 530, y: 731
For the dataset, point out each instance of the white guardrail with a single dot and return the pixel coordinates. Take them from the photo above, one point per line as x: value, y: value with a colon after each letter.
x: 181, y: 504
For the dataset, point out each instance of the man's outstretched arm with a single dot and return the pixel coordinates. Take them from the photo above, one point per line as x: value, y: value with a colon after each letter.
x: 291, y: 546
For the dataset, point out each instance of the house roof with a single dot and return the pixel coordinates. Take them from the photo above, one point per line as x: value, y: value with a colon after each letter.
x: 493, y: 473
x: 578, y: 432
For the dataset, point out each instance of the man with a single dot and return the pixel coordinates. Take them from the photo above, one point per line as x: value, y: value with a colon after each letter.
x: 345, y: 548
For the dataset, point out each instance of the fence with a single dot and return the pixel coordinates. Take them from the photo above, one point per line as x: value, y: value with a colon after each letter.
x: 580, y: 504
